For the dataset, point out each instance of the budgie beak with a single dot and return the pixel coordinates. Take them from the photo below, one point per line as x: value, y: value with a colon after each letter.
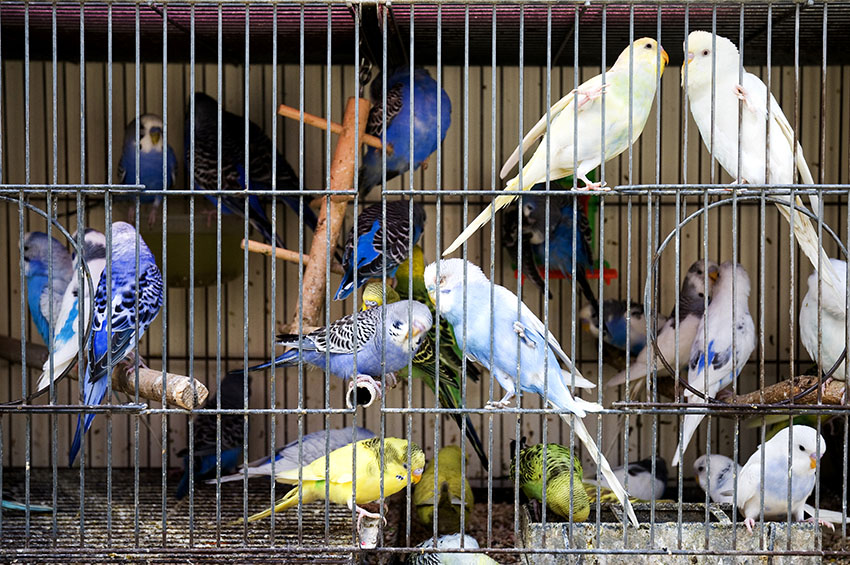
x: 417, y: 328
x: 814, y: 462
x: 416, y: 475
x: 432, y: 294
x: 155, y: 137
x: 665, y: 57
x: 714, y: 275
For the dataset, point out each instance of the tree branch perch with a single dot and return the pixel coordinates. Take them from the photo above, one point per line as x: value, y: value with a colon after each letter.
x: 178, y: 388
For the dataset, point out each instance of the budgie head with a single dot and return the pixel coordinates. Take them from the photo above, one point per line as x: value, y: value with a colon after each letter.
x: 395, y: 458
x: 150, y: 133
x: 730, y: 272
x: 94, y: 245
x: 373, y: 295
x: 645, y: 60
x: 804, y: 452
x: 694, y: 291
x: 534, y: 214
x: 450, y: 284
x: 699, y: 56
x: 721, y: 469
x: 37, y: 248
x: 407, y: 330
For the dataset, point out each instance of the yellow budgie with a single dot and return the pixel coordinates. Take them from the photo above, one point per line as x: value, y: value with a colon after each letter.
x: 373, y: 295
x: 645, y: 69
x: 450, y: 500
x: 339, y: 474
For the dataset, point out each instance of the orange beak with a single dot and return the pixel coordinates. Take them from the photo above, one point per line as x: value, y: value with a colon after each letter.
x: 665, y: 57
x: 814, y: 462
x: 416, y: 475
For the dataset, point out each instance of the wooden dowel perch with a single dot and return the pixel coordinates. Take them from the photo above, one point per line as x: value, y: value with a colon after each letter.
x: 178, y: 388
x: 322, y: 123
x: 343, y: 168
x: 283, y: 254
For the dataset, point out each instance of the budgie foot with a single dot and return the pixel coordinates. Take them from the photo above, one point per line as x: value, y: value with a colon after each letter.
x: 363, y: 390
x: 152, y: 216
x: 520, y: 331
x: 586, y: 96
x: 741, y: 95
x: 749, y: 523
x: 589, y: 185
x: 823, y: 523
x: 363, y: 513
x: 500, y: 404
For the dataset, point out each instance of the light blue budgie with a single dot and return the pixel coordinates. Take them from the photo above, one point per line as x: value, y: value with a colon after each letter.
x: 151, y: 145
x: 66, y: 338
x: 370, y: 243
x: 399, y: 99
x: 833, y: 323
x: 711, y: 352
x: 338, y: 339
x: 446, y: 289
x: 125, y: 317
x: 289, y: 457
x: 42, y: 292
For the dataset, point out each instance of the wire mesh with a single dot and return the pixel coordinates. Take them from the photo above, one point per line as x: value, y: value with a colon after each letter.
x: 74, y: 74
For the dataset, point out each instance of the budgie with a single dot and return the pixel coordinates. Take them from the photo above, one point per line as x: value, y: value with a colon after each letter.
x: 291, y: 456
x: 121, y: 300
x: 233, y: 164
x: 336, y: 469
x: 716, y: 365
x: 402, y: 341
x: 453, y: 496
x: 75, y: 305
x: 399, y: 99
x: 833, y: 323
x: 460, y: 282
x: 584, y: 104
x: 369, y: 242
x: 691, y: 306
x: 563, y: 483
x: 614, y: 316
x: 206, y: 435
x: 447, y: 542
x: 643, y: 485
x: 42, y: 291
x: 726, y: 92
x: 425, y: 361
x: 716, y: 475
x: 150, y: 147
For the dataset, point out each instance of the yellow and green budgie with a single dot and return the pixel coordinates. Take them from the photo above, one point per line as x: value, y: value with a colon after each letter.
x: 563, y: 482
x: 425, y: 361
x: 336, y: 468
x: 454, y: 494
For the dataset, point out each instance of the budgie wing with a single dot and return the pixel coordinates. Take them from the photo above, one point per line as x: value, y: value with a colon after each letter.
x: 340, y: 336
x: 395, y: 101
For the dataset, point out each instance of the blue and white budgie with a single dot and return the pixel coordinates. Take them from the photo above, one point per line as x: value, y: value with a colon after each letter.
x: 398, y: 342
x: 720, y: 59
x: 629, y: 89
x: 120, y: 302
x: 614, y: 316
x: 716, y: 475
x: 452, y: 541
x: 289, y: 457
x: 711, y: 358
x: 75, y: 305
x: 833, y: 323
x: 370, y: 243
x: 685, y: 326
x: 150, y: 147
x: 206, y: 435
x: 233, y: 164
x: 425, y: 134
x: 458, y: 286
x: 42, y: 291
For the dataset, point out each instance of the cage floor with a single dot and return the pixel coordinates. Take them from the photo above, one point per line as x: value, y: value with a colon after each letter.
x: 145, y: 539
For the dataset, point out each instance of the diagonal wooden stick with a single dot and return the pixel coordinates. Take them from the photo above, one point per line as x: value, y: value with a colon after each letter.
x: 322, y: 123
x: 283, y: 254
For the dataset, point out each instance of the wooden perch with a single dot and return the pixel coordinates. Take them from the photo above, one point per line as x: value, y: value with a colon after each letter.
x: 178, y: 389
x: 283, y: 254
x: 784, y: 391
x: 322, y: 123
x: 343, y: 168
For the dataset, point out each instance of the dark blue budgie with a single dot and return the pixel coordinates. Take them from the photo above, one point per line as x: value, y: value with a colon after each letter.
x: 205, y: 434
x: 41, y: 290
x: 150, y: 148
x: 233, y: 164
x: 369, y: 242
x: 614, y: 316
x: 125, y: 318
x: 425, y: 135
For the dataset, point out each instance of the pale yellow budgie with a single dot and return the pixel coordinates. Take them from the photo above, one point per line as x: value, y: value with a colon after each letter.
x: 645, y: 69
x: 340, y: 477
x: 453, y: 494
x: 780, y: 163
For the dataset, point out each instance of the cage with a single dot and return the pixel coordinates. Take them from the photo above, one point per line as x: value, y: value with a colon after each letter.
x: 294, y: 75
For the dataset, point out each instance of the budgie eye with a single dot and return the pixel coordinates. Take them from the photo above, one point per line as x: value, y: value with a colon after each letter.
x: 705, y: 52
x: 648, y: 46
x: 801, y: 448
